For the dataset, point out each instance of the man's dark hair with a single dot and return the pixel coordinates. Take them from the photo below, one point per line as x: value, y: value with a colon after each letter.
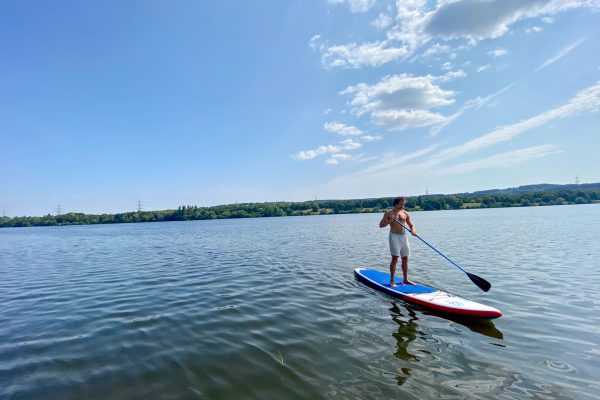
x: 397, y: 200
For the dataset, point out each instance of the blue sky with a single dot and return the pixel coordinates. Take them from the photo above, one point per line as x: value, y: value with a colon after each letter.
x: 106, y: 103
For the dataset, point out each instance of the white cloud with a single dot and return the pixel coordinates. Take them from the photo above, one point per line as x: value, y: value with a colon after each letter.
x: 417, y: 22
x: 475, y: 103
x: 478, y: 20
x: 399, y: 119
x: 313, y: 41
x: 310, y: 154
x: 392, y: 161
x: 371, y: 54
x: 342, y: 129
x: 350, y: 144
x: 379, y: 179
x: 498, y: 52
x: 587, y: 100
x: 402, y: 101
x: 347, y: 144
x: 356, y: 6
x: 446, y: 66
x: 383, y: 21
x: 533, y: 29
x: 451, y: 75
x: 403, y: 91
x: 374, y: 180
x: 503, y: 160
x: 410, y: 18
x: 436, y: 49
x: 402, y: 39
x: 370, y: 138
x: 336, y: 158
x: 548, y: 20
x: 561, y: 53
x: 483, y: 68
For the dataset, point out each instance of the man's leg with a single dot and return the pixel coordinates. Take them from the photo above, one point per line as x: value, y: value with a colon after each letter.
x: 393, y: 270
x: 405, y: 271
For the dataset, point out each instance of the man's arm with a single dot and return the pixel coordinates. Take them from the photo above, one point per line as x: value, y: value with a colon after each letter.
x: 410, y: 225
x: 385, y: 221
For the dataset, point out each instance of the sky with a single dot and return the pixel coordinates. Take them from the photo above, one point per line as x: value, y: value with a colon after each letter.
x: 109, y: 103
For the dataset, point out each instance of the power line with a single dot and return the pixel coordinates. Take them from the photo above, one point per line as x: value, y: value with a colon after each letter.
x: 58, y: 210
x: 139, y: 206
x: 577, y: 180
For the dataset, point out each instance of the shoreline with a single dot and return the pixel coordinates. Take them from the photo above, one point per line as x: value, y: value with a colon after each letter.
x: 588, y: 195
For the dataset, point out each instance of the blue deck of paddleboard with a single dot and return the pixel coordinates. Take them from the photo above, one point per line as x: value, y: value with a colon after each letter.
x: 381, y: 281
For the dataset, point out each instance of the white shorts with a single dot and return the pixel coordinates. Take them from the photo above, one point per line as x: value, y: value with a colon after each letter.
x: 399, y: 245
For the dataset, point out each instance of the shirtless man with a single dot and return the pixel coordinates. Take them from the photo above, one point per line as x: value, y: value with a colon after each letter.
x: 399, y: 246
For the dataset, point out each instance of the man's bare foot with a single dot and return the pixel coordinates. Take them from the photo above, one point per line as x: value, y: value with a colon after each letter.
x: 407, y: 282
x: 393, y: 284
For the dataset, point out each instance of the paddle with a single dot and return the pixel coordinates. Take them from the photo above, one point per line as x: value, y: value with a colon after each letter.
x: 479, y: 281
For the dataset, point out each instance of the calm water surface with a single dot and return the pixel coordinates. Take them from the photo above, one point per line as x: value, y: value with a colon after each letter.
x: 269, y: 308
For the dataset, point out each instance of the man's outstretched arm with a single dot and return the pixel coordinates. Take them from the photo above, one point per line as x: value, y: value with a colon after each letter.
x: 410, y: 225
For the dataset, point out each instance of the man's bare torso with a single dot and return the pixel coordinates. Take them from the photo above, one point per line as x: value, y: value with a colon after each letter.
x: 399, y: 215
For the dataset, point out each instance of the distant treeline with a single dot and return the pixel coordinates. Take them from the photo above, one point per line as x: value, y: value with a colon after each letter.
x: 583, y: 195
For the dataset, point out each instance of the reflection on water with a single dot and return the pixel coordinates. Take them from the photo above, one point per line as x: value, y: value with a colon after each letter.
x: 405, y: 315
x: 407, y: 332
x: 483, y: 326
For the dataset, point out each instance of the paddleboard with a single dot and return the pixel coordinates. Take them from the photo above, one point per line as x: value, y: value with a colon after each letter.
x: 425, y: 296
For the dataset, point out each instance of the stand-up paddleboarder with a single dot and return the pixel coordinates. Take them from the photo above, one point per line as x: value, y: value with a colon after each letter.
x: 399, y: 246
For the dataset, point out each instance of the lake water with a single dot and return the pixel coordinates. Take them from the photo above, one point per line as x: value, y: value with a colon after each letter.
x: 269, y: 308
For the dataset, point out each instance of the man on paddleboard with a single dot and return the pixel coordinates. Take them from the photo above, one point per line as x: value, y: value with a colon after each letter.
x: 399, y: 246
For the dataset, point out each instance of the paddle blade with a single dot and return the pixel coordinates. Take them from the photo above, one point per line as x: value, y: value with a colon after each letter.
x: 479, y: 281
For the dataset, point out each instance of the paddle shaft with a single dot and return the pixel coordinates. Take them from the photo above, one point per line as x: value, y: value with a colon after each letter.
x: 432, y: 248
x: 479, y: 281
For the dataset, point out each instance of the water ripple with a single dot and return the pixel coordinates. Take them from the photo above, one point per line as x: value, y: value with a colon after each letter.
x: 268, y: 308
